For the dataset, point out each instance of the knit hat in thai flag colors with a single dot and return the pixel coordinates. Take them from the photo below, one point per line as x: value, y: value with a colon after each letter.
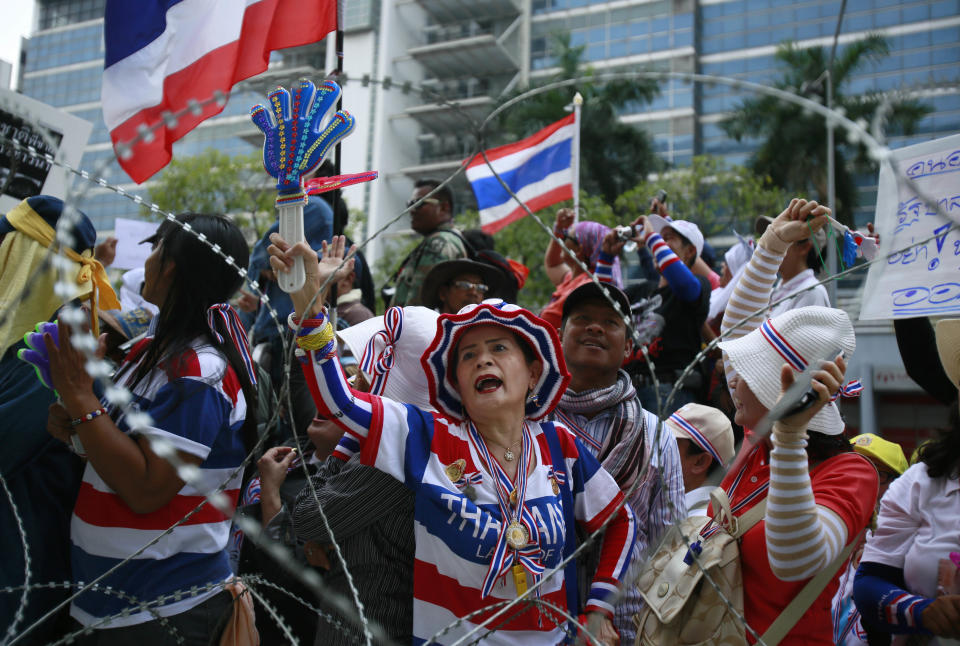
x: 796, y: 337
x: 538, y: 334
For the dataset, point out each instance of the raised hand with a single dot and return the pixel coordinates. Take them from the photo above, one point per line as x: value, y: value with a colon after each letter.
x: 799, y: 220
x: 299, y: 131
x: 826, y: 382
x: 318, y: 273
x: 565, y: 219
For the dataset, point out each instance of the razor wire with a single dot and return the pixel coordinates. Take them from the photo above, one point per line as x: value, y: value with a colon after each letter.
x: 124, y: 149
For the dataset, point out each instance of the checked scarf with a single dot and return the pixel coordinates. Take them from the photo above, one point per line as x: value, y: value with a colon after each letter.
x: 619, y: 431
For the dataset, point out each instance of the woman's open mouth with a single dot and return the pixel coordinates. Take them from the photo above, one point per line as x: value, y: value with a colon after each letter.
x: 487, y: 384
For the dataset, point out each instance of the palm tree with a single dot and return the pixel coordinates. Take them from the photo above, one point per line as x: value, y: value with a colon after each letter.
x: 614, y: 156
x: 793, y: 149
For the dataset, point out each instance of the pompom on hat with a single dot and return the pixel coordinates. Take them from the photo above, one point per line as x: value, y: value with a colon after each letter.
x: 388, y: 350
x: 537, y: 333
x: 796, y: 337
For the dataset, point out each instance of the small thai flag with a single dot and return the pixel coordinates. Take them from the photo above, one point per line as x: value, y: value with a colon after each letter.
x: 538, y: 169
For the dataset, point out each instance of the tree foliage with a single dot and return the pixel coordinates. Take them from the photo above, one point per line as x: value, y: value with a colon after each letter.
x: 613, y: 154
x: 719, y: 199
x: 214, y: 182
x: 792, y: 150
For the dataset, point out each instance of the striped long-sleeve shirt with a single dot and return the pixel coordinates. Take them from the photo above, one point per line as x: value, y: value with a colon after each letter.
x: 806, y: 524
x: 458, y: 519
x: 197, y: 406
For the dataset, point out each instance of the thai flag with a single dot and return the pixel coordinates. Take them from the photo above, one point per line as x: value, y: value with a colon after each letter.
x: 538, y: 169
x: 166, y: 55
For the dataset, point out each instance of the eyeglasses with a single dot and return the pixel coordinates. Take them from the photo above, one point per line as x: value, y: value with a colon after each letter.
x: 421, y: 202
x: 464, y: 284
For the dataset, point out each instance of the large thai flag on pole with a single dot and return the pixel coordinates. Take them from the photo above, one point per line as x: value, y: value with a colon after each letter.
x: 164, y: 55
x: 538, y: 169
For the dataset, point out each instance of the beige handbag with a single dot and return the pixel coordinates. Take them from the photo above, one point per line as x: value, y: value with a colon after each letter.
x: 683, y: 608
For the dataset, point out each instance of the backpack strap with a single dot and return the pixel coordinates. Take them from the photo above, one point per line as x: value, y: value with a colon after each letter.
x: 570, y: 545
x: 801, y: 603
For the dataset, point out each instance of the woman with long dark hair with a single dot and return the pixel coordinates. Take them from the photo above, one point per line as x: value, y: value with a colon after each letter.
x: 193, y: 376
x: 908, y: 582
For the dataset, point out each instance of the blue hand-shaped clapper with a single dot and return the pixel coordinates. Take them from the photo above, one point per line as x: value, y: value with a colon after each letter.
x: 298, y: 132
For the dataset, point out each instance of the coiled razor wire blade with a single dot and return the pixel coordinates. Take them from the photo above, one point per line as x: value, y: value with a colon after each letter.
x: 856, y: 132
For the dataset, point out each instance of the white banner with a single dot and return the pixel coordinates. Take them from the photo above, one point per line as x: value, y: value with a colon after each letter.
x: 924, y: 280
x: 130, y: 253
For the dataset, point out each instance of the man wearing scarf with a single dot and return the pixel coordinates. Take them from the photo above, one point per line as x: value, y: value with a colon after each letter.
x: 42, y: 475
x: 602, y: 408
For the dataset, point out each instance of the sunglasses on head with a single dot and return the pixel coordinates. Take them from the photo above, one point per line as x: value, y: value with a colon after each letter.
x: 464, y: 284
x: 421, y: 202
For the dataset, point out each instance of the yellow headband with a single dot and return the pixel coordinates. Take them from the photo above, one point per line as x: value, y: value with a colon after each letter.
x: 28, y: 222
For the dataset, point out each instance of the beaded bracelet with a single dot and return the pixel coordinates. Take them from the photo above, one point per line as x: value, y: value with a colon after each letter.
x: 92, y: 415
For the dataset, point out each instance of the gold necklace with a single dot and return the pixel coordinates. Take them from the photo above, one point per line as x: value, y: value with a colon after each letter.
x: 508, y: 453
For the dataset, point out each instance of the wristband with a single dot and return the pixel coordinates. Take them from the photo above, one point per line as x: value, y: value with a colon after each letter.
x: 92, y: 415
x: 318, y: 340
x: 306, y: 325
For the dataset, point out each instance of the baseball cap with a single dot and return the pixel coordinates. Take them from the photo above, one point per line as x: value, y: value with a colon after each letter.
x: 887, y: 452
x: 686, y: 228
x: 706, y: 427
x: 592, y: 291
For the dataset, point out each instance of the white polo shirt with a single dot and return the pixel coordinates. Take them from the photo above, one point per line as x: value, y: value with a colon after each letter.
x: 806, y: 278
x: 919, y: 524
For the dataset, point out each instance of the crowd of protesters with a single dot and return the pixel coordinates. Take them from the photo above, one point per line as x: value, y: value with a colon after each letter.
x: 432, y: 463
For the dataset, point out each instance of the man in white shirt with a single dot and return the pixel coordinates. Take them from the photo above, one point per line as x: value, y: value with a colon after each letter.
x: 798, y: 271
x: 705, y: 442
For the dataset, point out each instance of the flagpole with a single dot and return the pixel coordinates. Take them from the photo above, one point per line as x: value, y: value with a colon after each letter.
x: 338, y: 220
x: 575, y: 154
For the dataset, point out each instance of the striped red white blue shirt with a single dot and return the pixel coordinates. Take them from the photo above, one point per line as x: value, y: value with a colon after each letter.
x: 456, y: 524
x: 197, y: 405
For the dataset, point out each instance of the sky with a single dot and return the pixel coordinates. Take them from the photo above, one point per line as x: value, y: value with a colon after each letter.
x: 17, y: 21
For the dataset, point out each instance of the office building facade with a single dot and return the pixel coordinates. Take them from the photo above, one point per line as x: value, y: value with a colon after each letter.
x: 408, y: 60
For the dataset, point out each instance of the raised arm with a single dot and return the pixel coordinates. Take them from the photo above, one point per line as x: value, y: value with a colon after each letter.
x: 553, y: 262
x: 684, y: 284
x: 756, y: 283
x: 376, y: 427
x: 803, y: 531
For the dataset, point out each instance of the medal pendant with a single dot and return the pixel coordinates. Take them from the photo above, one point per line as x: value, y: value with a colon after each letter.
x: 455, y: 469
x: 508, y: 455
x: 556, y: 486
x: 513, y: 497
x: 517, y: 535
x: 519, y: 578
